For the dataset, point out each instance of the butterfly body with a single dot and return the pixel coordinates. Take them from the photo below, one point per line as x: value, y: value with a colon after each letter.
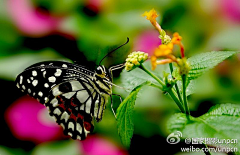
x: 73, y: 94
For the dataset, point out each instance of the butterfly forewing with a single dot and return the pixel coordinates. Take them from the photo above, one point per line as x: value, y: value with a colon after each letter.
x: 68, y: 91
x: 38, y: 79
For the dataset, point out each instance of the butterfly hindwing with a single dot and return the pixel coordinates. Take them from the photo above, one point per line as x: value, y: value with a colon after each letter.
x: 76, y: 123
x: 78, y: 95
x: 70, y: 110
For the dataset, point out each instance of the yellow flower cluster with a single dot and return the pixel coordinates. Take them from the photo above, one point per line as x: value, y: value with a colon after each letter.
x: 151, y: 16
x: 165, y: 51
x: 135, y: 59
x: 177, y: 41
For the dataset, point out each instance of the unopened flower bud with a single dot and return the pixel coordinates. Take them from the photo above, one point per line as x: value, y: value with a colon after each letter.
x: 135, y: 59
x: 165, y: 39
x: 184, y: 66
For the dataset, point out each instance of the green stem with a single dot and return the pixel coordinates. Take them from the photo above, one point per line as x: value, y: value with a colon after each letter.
x: 174, y: 97
x: 151, y: 74
x: 171, y: 92
x: 176, y: 86
x: 184, y: 83
x: 157, y: 86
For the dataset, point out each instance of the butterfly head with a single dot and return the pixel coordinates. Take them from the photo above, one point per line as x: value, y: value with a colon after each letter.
x: 103, y: 72
x: 103, y: 79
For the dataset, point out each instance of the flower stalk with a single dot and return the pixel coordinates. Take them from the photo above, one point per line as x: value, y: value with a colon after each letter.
x: 170, y: 91
x: 176, y: 86
x: 184, y: 89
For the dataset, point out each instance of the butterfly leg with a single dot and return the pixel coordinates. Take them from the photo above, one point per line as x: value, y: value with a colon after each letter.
x: 120, y: 97
x: 112, y: 103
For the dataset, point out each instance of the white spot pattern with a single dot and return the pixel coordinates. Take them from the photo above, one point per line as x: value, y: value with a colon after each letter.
x: 44, y: 73
x: 56, y: 92
x: 79, y: 128
x: 54, y: 102
x: 21, y: 79
x: 65, y: 116
x: 71, y: 126
x: 46, y: 85
x: 18, y: 85
x: 58, y: 72
x: 34, y: 73
x: 35, y: 82
x: 64, y: 65
x: 57, y: 111
x: 53, y: 76
x: 52, y: 79
x: 40, y: 94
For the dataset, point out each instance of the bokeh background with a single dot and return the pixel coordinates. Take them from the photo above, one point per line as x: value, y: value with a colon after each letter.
x: 86, y: 30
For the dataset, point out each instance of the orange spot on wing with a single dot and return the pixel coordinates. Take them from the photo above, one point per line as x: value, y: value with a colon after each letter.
x: 87, y: 126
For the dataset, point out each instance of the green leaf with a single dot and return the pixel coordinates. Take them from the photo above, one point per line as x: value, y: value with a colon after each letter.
x: 68, y: 147
x: 136, y: 77
x: 125, y: 116
x: 200, y: 64
x: 10, y: 151
x: 205, y: 61
x: 11, y: 66
x: 191, y: 87
x: 222, y: 122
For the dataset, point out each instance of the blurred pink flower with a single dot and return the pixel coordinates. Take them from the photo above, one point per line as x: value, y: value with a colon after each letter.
x: 29, y: 120
x: 29, y: 19
x: 147, y: 41
x: 96, y: 145
x: 231, y: 8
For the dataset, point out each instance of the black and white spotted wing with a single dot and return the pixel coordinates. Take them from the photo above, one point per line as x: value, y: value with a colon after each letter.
x: 73, y: 94
x: 75, y: 109
x: 38, y: 79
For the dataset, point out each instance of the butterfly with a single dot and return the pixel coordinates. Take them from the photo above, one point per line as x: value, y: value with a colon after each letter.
x: 73, y: 94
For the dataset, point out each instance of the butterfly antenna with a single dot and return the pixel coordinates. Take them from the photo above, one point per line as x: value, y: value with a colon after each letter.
x: 114, y: 50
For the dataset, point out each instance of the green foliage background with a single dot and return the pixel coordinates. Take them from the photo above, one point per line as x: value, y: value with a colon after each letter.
x: 203, y: 25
